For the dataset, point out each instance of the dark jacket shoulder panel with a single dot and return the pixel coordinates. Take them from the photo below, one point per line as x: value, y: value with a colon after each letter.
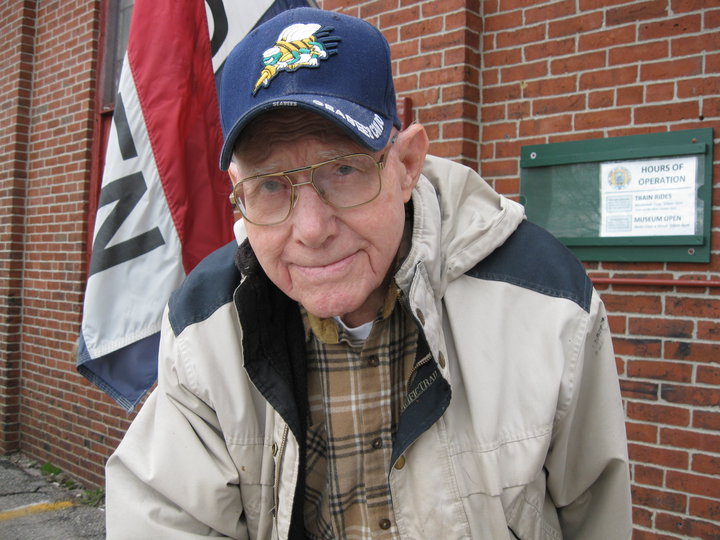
x: 210, y: 285
x: 534, y: 259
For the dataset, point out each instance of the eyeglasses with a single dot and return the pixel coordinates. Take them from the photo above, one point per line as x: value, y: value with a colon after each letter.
x: 343, y: 182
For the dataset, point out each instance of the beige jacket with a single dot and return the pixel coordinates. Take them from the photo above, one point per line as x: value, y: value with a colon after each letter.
x: 515, y: 429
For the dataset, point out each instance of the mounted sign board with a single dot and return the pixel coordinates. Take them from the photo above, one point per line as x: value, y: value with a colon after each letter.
x: 633, y: 198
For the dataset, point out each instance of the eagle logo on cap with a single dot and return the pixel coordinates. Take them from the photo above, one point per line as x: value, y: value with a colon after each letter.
x: 299, y: 45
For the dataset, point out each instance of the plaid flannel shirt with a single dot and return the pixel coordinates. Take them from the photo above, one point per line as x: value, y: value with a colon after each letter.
x: 355, y: 390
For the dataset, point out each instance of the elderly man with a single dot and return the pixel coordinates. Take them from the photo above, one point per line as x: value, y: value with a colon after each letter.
x: 391, y: 351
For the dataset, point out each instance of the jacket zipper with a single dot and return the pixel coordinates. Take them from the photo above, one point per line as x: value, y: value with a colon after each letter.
x: 424, y: 360
x: 278, y: 471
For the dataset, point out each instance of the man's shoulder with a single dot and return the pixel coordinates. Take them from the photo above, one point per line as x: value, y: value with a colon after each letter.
x: 534, y: 259
x: 210, y: 285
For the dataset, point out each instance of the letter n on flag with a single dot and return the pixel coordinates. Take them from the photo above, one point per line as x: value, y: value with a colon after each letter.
x: 163, y: 199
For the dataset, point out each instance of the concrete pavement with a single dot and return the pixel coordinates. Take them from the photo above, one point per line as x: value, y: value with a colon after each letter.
x: 32, y: 506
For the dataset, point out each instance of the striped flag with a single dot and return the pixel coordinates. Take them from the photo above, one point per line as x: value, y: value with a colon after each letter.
x: 163, y: 200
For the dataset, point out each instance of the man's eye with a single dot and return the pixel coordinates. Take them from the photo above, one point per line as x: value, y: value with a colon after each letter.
x: 345, y: 170
x: 271, y: 185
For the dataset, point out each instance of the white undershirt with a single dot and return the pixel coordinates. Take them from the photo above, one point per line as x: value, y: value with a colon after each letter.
x: 359, y: 333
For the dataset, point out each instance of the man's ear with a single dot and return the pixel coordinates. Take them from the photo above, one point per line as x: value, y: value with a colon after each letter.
x: 411, y: 148
x: 234, y: 173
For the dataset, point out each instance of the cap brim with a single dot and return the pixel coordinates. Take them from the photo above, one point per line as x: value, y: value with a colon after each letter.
x: 369, y: 129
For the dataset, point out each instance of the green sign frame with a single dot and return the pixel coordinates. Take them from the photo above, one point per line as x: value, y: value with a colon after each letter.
x: 560, y: 188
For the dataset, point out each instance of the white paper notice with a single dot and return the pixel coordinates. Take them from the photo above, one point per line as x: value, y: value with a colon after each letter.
x: 648, y: 197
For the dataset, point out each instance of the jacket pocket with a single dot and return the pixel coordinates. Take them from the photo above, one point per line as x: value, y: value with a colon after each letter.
x: 532, y: 515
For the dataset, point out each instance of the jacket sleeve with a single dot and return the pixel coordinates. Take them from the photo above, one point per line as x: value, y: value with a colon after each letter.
x: 587, y: 466
x: 172, y: 475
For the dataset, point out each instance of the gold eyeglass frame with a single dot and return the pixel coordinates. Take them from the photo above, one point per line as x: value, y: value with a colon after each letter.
x: 380, y: 164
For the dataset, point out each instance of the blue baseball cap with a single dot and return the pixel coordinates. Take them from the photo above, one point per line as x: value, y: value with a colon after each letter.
x: 329, y: 63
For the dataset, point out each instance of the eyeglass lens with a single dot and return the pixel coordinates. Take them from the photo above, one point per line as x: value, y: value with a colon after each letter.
x: 343, y: 182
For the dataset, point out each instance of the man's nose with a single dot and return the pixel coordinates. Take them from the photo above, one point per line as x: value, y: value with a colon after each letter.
x: 312, y: 218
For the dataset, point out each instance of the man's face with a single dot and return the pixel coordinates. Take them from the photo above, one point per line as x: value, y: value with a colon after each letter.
x: 333, y: 261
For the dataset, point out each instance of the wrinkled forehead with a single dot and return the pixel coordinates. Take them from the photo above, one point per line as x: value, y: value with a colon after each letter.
x: 274, y: 130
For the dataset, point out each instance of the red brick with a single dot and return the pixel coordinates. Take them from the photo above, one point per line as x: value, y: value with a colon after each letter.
x: 706, y: 420
x: 671, y: 69
x: 509, y: 149
x: 708, y: 375
x: 665, y: 371
x: 551, y: 86
x: 637, y: 347
x: 400, y: 17
x: 461, y: 55
x: 575, y: 25
x: 662, y: 457
x: 684, y: 6
x: 441, y: 41
x: 691, y: 395
x: 495, y: 168
x: 705, y: 508
x: 643, y: 518
x: 507, y: 186
x: 711, y: 108
x: 685, y: 46
x: 493, y: 113
x: 602, y: 119
x: 649, y: 476
x: 579, y: 62
x: 638, y: 52
x: 430, y: 9
x: 503, y: 21
x: 629, y: 95
x: 706, y: 464
x: 660, y: 92
x: 673, y: 112
x: 639, y: 390
x: 529, y: 34
x: 420, y: 63
x: 690, y: 439
x: 518, y: 110
x: 695, y: 352
x: 636, y: 11
x: 495, y: 132
x: 421, y: 28
x: 542, y: 126
x: 712, y: 18
x: 656, y: 498
x: 557, y: 105
x: 614, y: 77
x: 606, y: 38
x: 601, y: 99
x: 549, y: 12
x: 556, y: 47
x: 658, y: 327
x: 669, y: 27
x: 618, y: 324
x: 658, y: 414
x: 504, y: 57
x: 523, y: 72
x: 705, y: 486
x: 693, y: 307
x: 449, y: 75
x: 686, y: 526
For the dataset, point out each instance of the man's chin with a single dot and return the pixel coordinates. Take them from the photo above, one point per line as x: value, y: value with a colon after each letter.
x: 326, y: 308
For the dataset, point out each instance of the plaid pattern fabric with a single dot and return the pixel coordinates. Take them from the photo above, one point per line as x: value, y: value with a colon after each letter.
x: 355, y: 392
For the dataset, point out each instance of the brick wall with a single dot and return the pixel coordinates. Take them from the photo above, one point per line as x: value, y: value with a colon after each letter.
x: 557, y: 71
x: 485, y: 79
x: 15, y: 80
x: 47, y: 95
